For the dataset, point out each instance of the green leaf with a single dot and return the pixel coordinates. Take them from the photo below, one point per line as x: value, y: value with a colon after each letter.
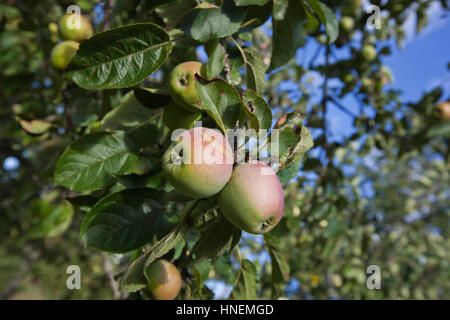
x: 258, y: 111
x: 441, y: 129
x: 120, y: 57
x: 152, y: 98
x: 250, y: 2
x: 142, y: 124
x: 331, y: 23
x: 290, y: 172
x: 287, y: 35
x: 216, y: 61
x: 221, y: 101
x: 134, y: 278
x: 36, y: 127
x: 205, y: 24
x: 91, y: 162
x: 173, y: 12
x: 280, y: 267
x: 279, y: 9
x: 321, y: 210
x: 246, y: 289
x: 201, y: 273
x: 53, y: 220
x: 286, y: 139
x: 256, y: 70
x: 296, y: 151
x: 334, y: 228
x: 125, y: 221
x: 317, y: 8
x: 215, y: 240
x: 165, y: 245
x: 127, y: 115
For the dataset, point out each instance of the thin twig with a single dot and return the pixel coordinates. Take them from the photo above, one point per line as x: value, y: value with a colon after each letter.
x: 109, y: 271
x: 106, y: 15
x: 341, y: 107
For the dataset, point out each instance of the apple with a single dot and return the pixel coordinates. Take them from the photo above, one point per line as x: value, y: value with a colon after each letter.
x: 253, y: 199
x: 368, y: 52
x: 199, y: 163
x: 347, y: 23
x: 69, y: 29
x: 182, y: 85
x: 348, y: 77
x: 63, y: 53
x: 322, y: 39
x: 444, y: 109
x: 164, y: 280
x: 175, y: 117
x: 386, y: 75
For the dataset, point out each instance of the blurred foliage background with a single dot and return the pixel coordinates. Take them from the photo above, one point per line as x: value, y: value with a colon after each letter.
x: 378, y: 197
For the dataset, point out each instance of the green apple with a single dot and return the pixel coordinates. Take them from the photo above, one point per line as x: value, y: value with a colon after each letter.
x: 347, y: 23
x: 175, y: 117
x: 348, y: 77
x: 199, y: 163
x: 71, y: 31
x: 322, y: 39
x: 253, y: 199
x: 63, y: 53
x: 182, y: 85
x: 164, y: 280
x: 369, y: 52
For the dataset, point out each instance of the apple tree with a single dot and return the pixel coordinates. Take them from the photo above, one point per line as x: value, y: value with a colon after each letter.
x: 91, y: 104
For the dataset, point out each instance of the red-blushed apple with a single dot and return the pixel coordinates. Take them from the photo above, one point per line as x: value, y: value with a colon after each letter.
x: 444, y: 110
x: 164, y: 280
x: 63, y: 53
x: 175, y: 117
x: 182, y: 85
x: 253, y: 199
x: 71, y: 30
x: 199, y: 163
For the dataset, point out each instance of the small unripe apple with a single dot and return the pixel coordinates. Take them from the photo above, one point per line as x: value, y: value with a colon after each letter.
x: 71, y: 30
x: 322, y: 39
x: 63, y: 53
x: 369, y: 52
x: 253, y: 199
x: 199, y: 163
x: 444, y: 109
x: 347, y: 23
x: 175, y: 117
x: 164, y: 281
x: 54, y: 35
x: 182, y: 84
x: 347, y: 78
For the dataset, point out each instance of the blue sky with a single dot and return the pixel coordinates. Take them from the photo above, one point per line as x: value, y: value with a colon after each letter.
x: 417, y: 67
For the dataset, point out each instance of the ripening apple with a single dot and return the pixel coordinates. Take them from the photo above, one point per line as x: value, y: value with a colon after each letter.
x: 182, y: 84
x: 253, y: 199
x: 369, y: 52
x: 70, y: 30
x: 63, y: 53
x: 164, y: 282
x: 444, y: 109
x: 199, y: 163
x: 347, y: 23
x: 175, y: 117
